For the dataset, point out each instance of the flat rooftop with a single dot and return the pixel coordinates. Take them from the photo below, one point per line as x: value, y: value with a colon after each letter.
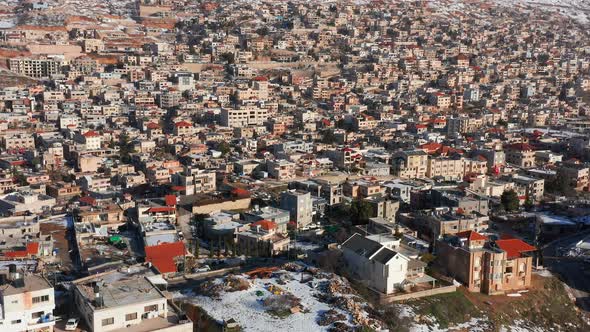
x: 32, y: 283
x: 131, y: 289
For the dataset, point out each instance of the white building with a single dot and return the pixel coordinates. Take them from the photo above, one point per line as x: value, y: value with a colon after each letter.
x: 118, y: 301
x: 374, y: 264
x: 27, y: 303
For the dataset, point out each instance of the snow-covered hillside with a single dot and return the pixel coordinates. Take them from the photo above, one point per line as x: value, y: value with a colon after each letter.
x: 576, y: 9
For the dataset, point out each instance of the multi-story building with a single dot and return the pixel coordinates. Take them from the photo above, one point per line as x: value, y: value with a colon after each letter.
x: 195, y: 180
x: 242, y: 117
x: 116, y: 301
x: 18, y: 142
x: 462, y: 125
x: 36, y: 68
x: 383, y: 207
x: 575, y: 174
x: 27, y: 302
x: 280, y: 169
x: 299, y: 205
x: 262, y: 239
x: 529, y: 188
x: 445, y: 168
x: 520, y: 154
x: 491, y: 267
x: 410, y: 164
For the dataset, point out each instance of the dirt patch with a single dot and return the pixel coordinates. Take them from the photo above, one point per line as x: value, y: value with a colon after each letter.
x: 59, y: 233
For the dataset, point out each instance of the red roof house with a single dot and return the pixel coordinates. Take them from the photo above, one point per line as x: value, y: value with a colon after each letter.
x: 514, y: 248
x: 162, y: 255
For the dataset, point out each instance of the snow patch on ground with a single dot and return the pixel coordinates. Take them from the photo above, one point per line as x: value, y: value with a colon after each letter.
x: 247, y: 308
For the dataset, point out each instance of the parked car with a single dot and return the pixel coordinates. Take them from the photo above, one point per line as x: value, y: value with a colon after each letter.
x: 72, y: 324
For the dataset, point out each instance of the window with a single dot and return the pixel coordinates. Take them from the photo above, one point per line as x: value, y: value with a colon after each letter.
x: 108, y: 321
x: 37, y: 314
x: 14, y: 322
x: 150, y: 308
x: 131, y: 316
x: 39, y: 299
x: 508, y: 269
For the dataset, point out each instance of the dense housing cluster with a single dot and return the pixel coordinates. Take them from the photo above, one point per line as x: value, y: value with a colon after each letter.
x: 411, y: 146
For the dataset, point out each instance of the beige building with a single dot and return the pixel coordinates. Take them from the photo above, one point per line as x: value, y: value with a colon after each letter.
x: 36, y: 68
x: 262, y: 239
x: 575, y: 174
x: 61, y: 189
x: 245, y: 116
x: 483, y: 266
x: 280, y: 169
x: 411, y: 164
x: 529, y: 188
x: 89, y: 163
x: 17, y: 142
x: 195, y: 180
x: 520, y: 154
x: 446, y: 168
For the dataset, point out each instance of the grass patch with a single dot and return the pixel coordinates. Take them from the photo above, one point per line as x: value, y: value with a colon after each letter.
x: 279, y: 313
x: 546, y: 305
x: 448, y: 309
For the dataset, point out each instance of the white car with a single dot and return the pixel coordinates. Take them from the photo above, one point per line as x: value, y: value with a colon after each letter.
x: 72, y: 324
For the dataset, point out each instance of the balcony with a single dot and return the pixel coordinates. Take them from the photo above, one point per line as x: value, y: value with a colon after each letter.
x: 41, y: 322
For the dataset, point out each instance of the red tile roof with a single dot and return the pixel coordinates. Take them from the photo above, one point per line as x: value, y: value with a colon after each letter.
x: 91, y: 133
x: 183, y: 124
x: 520, y: 147
x: 160, y: 209
x: 514, y: 247
x: 170, y: 200
x: 264, y: 224
x: 162, y: 255
x: 152, y: 125
x: 240, y: 192
x: 88, y: 200
x: 31, y: 249
x: 472, y: 236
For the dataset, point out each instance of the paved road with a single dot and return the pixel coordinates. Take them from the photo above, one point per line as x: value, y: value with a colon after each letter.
x: 574, y: 272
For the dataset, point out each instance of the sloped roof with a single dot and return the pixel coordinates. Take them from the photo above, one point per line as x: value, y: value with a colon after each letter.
x: 264, y: 224
x: 160, y: 209
x: 514, y: 247
x: 162, y: 255
x: 361, y: 245
x: 472, y: 236
x: 183, y: 124
x: 170, y: 200
x: 384, y: 255
x: 91, y: 133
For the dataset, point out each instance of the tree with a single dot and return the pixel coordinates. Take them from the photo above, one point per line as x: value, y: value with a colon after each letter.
x: 360, y: 212
x: 509, y: 200
x: 224, y: 148
x: 126, y: 147
x: 228, y: 57
x: 502, y: 123
x: 197, y: 250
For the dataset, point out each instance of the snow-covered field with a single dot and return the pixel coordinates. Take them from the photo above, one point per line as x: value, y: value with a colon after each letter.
x: 576, y: 9
x: 247, y: 307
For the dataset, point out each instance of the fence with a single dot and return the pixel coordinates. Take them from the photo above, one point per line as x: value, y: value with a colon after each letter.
x: 389, y: 298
